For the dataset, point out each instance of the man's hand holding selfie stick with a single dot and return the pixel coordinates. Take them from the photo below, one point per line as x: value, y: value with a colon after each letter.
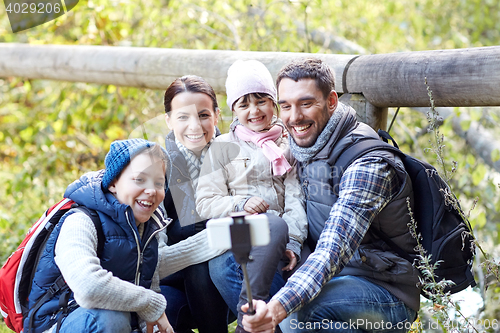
x: 239, y: 233
x: 266, y: 317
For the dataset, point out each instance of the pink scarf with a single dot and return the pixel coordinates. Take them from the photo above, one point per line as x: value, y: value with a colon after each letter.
x: 265, y: 140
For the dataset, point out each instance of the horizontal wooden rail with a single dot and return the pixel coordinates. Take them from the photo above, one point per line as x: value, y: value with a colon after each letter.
x: 458, y: 77
x: 153, y: 68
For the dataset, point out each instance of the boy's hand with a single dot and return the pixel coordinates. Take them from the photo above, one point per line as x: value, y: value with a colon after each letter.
x: 293, y: 261
x: 256, y: 205
x: 162, y: 323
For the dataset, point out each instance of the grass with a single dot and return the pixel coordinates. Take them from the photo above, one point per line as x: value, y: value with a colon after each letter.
x: 3, y: 328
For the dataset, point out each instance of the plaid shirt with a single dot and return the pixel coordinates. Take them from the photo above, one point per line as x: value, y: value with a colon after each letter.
x: 366, y: 187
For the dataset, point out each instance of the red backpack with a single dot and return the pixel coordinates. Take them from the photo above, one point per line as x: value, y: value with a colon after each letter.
x: 18, y: 271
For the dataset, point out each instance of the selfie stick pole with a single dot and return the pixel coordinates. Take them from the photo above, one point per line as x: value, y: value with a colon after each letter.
x: 241, y: 247
x: 251, y: 310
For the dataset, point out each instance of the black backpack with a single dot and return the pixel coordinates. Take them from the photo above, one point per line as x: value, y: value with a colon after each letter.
x: 445, y: 234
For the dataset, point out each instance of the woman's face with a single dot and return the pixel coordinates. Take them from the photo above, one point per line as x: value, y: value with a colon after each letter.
x: 192, y: 119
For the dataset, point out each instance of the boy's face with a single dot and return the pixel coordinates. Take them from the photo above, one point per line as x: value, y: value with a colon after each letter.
x: 141, y: 185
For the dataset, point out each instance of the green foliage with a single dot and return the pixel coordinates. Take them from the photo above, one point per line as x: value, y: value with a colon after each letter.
x: 265, y: 25
x: 3, y: 328
x: 52, y: 132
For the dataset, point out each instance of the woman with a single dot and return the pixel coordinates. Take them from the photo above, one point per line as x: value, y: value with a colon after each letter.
x: 191, y: 114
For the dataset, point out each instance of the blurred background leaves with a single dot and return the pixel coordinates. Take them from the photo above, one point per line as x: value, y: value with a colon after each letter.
x: 52, y: 132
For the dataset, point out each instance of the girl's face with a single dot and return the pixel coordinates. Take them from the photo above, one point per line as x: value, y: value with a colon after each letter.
x: 254, y: 113
x: 141, y: 185
x: 192, y: 119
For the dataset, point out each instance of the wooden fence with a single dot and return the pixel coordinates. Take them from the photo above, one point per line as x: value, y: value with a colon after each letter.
x: 371, y: 83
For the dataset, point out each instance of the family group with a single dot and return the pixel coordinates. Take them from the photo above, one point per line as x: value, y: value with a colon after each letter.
x: 155, y: 270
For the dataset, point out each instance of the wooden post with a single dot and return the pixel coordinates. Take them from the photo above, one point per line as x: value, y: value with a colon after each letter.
x: 366, y: 112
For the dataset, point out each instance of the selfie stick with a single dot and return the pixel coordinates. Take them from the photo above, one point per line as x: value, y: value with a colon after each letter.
x: 241, y: 247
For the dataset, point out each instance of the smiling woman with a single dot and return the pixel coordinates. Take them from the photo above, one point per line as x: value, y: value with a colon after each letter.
x: 193, y: 119
x: 191, y: 112
x: 192, y: 115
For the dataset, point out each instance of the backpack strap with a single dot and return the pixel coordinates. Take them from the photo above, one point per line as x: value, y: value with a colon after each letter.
x: 63, y: 306
x: 360, y: 148
x: 349, y: 155
x: 386, y: 137
x: 97, y: 224
x: 57, y: 286
x: 60, y: 284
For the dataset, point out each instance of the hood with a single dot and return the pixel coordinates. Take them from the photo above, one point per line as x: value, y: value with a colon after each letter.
x: 87, y: 191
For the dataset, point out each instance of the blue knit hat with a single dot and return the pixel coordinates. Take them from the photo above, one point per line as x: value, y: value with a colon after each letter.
x: 121, y: 152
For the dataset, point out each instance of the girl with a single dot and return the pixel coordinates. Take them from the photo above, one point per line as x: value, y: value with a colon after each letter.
x: 250, y: 169
x: 191, y: 114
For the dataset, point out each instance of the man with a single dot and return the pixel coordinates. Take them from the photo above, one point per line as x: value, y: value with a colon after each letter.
x: 351, y: 282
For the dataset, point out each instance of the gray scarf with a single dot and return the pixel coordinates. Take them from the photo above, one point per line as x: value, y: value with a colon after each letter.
x: 304, y: 154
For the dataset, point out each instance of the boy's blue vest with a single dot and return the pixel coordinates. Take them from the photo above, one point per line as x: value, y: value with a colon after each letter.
x: 124, y: 254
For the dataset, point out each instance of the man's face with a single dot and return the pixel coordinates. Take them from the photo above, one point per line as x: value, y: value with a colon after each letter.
x: 304, y: 110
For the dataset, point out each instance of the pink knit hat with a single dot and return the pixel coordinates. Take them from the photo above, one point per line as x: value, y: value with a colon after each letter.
x: 246, y: 77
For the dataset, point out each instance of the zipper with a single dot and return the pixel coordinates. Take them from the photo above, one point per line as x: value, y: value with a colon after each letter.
x: 181, y: 172
x: 139, y: 268
x: 305, y: 188
x: 139, y: 252
x: 161, y: 228
x: 140, y: 258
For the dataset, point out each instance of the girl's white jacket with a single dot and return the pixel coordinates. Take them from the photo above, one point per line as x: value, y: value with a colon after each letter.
x: 235, y: 170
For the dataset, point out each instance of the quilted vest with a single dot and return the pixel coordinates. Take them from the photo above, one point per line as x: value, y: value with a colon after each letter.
x: 373, y: 259
x: 121, y: 241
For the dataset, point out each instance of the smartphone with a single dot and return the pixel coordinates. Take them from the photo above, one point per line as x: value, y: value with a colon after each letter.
x: 219, y: 235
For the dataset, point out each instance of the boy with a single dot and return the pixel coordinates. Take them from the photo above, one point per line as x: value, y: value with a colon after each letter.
x: 106, y: 291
